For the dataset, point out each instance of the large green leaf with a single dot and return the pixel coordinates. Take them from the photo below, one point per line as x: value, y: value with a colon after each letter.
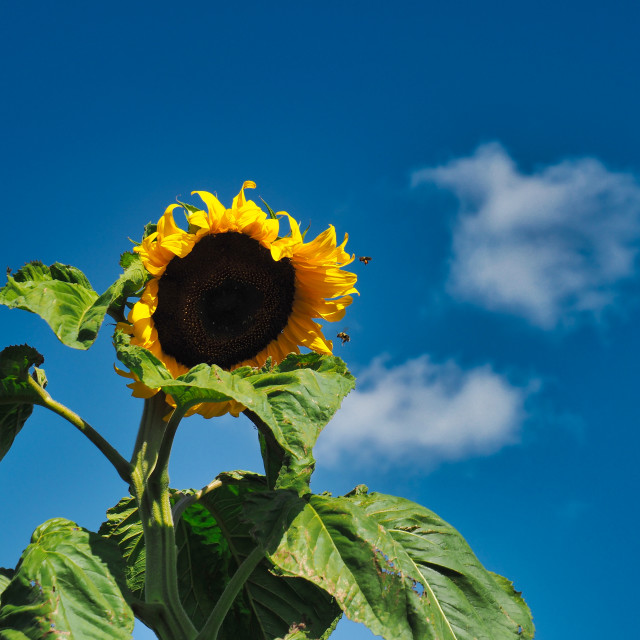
x: 65, y: 586
x: 391, y: 564
x: 17, y: 396
x: 9, y: 634
x: 123, y: 526
x: 63, y: 297
x: 276, y: 602
x: 303, y: 392
x: 477, y: 603
x: 212, y: 540
x: 130, y: 282
x: 5, y: 578
x: 290, y: 402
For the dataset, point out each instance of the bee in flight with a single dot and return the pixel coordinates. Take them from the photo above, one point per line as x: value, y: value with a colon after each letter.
x: 344, y: 337
x: 365, y: 259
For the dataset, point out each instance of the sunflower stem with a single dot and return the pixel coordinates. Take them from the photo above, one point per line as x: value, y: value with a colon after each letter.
x: 150, y: 487
x: 113, y: 456
x: 164, y: 452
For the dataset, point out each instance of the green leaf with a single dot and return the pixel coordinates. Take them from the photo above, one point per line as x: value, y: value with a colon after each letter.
x: 123, y: 527
x: 290, y: 404
x: 212, y: 541
x: 477, y: 603
x: 64, y: 587
x: 275, y: 603
x: 296, y: 634
x: 130, y: 282
x: 5, y: 578
x: 17, y: 395
x: 15, y: 361
x: 63, y: 297
x: 303, y: 393
x: 391, y: 564
x: 8, y: 634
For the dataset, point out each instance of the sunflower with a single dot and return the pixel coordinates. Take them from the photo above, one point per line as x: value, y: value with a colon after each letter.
x: 231, y: 292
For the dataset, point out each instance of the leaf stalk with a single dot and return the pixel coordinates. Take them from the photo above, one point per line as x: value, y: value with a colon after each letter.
x: 216, y: 618
x: 121, y: 465
x: 188, y: 500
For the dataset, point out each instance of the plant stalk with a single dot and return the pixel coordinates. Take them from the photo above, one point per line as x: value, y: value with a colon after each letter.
x: 188, y: 500
x: 113, y: 456
x: 216, y: 618
x: 150, y: 487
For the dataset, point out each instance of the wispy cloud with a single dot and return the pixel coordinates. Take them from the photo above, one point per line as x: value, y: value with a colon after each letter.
x: 426, y: 411
x: 547, y: 246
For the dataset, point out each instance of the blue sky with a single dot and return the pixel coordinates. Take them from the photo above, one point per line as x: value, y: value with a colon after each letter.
x: 485, y: 156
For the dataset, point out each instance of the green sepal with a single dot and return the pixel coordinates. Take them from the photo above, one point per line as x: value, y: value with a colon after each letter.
x: 290, y: 404
x: 189, y: 208
x: 17, y: 395
x: 149, y: 228
x: 66, y: 585
x: 127, y: 259
x: 272, y: 215
x: 64, y: 298
x: 391, y: 565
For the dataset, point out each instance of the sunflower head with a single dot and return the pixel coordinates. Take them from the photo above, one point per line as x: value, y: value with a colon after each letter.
x: 231, y: 291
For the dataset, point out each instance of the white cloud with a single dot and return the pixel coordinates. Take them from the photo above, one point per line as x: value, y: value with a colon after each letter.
x: 547, y: 246
x: 425, y: 410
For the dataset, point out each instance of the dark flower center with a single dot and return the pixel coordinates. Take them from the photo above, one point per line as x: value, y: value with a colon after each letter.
x: 224, y: 302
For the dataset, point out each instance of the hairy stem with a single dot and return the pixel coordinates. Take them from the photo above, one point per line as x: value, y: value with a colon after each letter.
x: 188, y: 500
x: 150, y: 486
x: 113, y: 456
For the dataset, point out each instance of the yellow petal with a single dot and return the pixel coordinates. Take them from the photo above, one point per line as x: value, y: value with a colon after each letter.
x: 167, y: 225
x: 200, y: 219
x: 330, y: 310
x: 239, y: 201
x: 214, y: 206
